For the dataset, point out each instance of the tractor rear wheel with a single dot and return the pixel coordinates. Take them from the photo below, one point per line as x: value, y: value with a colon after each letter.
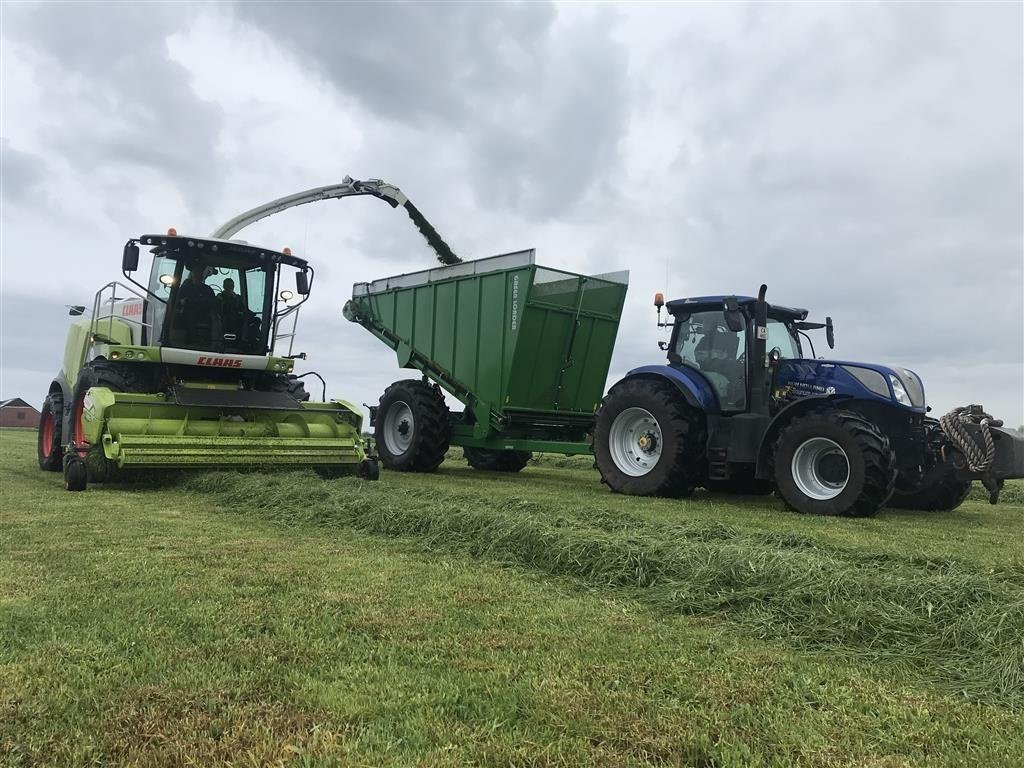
x: 648, y: 441
x: 412, y: 430
x: 834, y: 463
x: 51, y: 424
x: 117, y: 377
x: 492, y: 460
x: 946, y: 493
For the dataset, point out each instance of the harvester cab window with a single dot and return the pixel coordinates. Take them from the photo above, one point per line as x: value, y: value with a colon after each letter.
x: 705, y: 342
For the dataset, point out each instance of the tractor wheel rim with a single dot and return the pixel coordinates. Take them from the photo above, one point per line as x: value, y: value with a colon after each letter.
x: 49, y: 427
x: 399, y: 428
x: 820, y: 468
x: 634, y: 442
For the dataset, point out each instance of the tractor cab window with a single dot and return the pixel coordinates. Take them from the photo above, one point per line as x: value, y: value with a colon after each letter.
x: 705, y: 342
x: 779, y: 336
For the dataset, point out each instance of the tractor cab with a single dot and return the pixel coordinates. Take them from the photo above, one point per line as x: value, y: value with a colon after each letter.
x: 220, y: 296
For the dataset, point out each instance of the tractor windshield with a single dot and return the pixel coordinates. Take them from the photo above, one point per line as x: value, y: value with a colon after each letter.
x: 213, y: 303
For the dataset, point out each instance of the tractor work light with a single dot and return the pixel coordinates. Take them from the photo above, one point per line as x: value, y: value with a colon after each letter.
x: 286, y: 295
x: 167, y: 280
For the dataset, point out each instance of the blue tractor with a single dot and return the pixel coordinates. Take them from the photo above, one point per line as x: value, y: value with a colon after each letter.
x: 740, y: 407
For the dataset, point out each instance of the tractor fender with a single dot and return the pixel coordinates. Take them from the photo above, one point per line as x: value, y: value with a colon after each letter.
x: 694, y: 388
x: 781, y: 419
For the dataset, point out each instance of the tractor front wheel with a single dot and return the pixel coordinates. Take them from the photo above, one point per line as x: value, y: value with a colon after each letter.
x: 492, y: 460
x: 946, y: 493
x: 51, y: 424
x: 412, y: 430
x: 834, y: 463
x: 648, y: 441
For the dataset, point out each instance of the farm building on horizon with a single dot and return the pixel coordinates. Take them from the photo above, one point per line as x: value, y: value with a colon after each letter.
x: 15, y: 412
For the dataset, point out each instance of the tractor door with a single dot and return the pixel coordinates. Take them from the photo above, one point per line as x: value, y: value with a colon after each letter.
x: 704, y: 341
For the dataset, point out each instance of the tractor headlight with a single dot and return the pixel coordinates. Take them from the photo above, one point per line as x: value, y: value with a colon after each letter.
x: 899, y: 391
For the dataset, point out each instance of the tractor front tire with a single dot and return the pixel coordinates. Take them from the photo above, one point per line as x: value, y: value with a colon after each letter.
x: 412, y: 431
x: 492, y: 460
x: 834, y: 462
x: 945, y: 494
x: 51, y: 424
x: 648, y: 441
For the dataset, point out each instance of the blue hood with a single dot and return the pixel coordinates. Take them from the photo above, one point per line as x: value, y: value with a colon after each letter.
x: 867, y: 381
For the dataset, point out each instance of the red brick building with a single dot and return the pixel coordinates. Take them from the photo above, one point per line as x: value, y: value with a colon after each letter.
x: 17, y: 413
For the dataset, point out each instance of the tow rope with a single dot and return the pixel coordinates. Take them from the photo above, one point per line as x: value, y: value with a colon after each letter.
x: 980, y: 451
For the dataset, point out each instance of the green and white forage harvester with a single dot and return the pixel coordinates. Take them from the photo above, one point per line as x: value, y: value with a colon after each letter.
x: 193, y: 366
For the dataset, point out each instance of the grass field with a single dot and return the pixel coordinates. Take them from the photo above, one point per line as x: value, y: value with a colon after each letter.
x: 470, y: 619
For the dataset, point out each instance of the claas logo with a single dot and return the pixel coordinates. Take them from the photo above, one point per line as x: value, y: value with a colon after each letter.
x: 220, y: 362
x: 128, y: 310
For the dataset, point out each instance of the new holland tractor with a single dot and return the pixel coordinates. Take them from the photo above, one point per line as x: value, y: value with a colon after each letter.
x: 740, y: 407
x: 184, y: 370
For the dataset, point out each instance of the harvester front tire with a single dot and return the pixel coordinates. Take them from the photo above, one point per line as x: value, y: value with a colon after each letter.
x: 834, y: 462
x: 51, y: 425
x: 291, y: 384
x: 412, y: 430
x: 492, y: 460
x: 947, y: 493
x: 117, y: 377
x: 666, y: 458
x: 76, y: 474
x: 369, y: 469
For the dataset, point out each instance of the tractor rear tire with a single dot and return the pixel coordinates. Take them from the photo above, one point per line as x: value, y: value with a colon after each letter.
x: 412, y: 430
x: 51, y: 424
x: 648, y: 441
x: 491, y: 460
x: 117, y: 377
x: 834, y: 462
x: 947, y: 493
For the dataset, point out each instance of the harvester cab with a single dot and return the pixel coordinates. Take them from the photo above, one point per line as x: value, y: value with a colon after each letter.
x: 740, y: 407
x: 193, y: 367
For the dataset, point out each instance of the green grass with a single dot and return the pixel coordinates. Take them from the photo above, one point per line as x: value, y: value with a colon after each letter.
x: 464, y: 618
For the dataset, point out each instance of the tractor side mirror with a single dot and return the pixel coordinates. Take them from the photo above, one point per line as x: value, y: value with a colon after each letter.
x: 302, y: 283
x: 130, y: 259
x: 734, y: 320
x: 830, y: 334
x: 76, y: 310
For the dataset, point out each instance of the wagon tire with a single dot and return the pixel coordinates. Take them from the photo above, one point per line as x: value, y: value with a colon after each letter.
x: 492, y: 460
x: 833, y: 462
x: 412, y: 430
x: 648, y: 441
x: 51, y: 424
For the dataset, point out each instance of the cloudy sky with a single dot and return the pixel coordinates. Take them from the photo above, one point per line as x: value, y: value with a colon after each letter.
x: 865, y: 161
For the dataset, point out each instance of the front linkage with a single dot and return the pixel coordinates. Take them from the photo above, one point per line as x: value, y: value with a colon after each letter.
x: 984, y: 450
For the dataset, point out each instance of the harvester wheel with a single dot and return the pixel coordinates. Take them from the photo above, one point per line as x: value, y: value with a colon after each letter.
x: 117, y: 377
x: 946, y: 493
x: 493, y: 460
x: 292, y: 385
x: 412, y: 429
x: 369, y: 469
x: 833, y: 462
x: 648, y: 441
x: 51, y: 424
x: 76, y: 475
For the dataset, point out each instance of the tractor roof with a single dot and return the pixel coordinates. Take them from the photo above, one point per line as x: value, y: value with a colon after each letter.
x: 706, y: 303
x: 166, y: 245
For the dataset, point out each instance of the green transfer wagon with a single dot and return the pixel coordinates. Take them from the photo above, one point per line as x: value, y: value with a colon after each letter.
x: 525, y: 349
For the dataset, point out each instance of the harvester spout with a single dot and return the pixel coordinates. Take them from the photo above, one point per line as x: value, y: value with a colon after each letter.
x: 349, y: 187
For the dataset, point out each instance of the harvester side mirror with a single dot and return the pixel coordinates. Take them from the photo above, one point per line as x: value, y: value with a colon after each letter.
x: 302, y: 283
x: 76, y: 310
x: 830, y: 334
x: 130, y: 259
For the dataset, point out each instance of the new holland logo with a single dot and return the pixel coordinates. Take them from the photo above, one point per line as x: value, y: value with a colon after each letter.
x: 220, y: 362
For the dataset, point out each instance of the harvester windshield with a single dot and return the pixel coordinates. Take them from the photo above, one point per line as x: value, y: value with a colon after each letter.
x: 216, y: 295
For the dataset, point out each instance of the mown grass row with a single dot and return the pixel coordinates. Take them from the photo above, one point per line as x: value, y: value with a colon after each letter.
x: 955, y: 625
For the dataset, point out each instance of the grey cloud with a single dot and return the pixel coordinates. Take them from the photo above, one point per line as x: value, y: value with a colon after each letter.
x: 541, y: 113
x: 23, y: 173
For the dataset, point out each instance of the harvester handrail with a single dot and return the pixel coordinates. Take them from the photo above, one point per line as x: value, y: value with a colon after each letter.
x: 98, y: 301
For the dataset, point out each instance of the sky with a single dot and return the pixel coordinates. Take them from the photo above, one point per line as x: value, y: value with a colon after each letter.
x: 863, y: 160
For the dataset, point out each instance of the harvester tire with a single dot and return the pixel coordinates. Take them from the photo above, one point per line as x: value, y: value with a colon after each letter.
x: 292, y: 385
x: 947, y: 493
x: 117, y: 377
x: 648, y: 441
x: 412, y: 430
x: 76, y: 474
x: 369, y: 469
x: 51, y: 424
x: 834, y: 462
x: 492, y: 460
